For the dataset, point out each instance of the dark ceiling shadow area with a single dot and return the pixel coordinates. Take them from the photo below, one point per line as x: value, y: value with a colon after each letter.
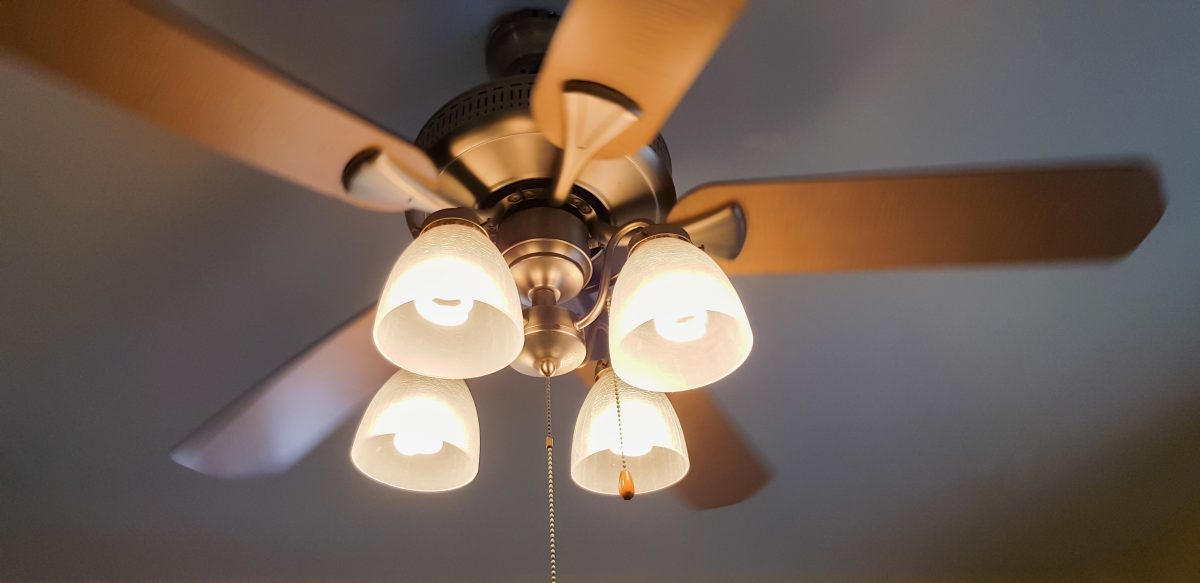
x: 1131, y: 514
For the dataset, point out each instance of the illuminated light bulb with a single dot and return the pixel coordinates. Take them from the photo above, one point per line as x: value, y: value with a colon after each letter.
x: 444, y: 312
x: 655, y: 450
x: 416, y: 444
x: 643, y: 424
x: 676, y: 323
x: 450, y: 307
x: 420, y: 425
x: 682, y: 327
x: 419, y: 433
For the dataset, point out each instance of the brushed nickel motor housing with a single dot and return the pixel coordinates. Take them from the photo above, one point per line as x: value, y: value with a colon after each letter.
x: 546, y: 249
x: 491, y: 155
x: 487, y: 149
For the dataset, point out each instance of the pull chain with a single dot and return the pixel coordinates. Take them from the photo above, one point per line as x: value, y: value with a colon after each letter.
x: 620, y: 431
x: 550, y: 483
x: 625, y: 479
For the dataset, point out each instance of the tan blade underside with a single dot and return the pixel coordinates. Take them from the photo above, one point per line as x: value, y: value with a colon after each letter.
x: 275, y: 424
x: 1065, y: 213
x: 202, y: 92
x: 649, y: 50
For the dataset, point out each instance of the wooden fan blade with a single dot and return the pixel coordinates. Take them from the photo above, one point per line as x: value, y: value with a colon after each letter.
x: 202, y: 92
x: 649, y: 50
x: 724, y: 470
x: 275, y: 424
x: 1093, y: 212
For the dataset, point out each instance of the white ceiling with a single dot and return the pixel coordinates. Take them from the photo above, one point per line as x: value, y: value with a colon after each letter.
x: 964, y: 425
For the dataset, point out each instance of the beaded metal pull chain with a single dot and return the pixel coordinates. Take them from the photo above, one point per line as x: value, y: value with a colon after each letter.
x: 550, y: 483
x: 625, y: 480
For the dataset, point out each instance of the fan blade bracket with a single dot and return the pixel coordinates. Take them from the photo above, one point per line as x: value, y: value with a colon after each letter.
x: 593, y: 115
x: 275, y: 424
x: 374, y: 179
x: 720, y: 232
x: 649, y: 50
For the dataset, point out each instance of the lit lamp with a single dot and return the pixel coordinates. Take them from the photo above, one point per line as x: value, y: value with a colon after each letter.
x: 450, y: 307
x: 649, y: 433
x: 676, y: 322
x: 419, y: 433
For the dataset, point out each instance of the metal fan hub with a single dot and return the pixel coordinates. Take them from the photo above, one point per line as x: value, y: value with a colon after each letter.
x: 546, y: 248
x: 487, y: 147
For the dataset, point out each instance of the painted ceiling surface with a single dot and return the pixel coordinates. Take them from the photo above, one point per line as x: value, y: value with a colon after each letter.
x: 985, y: 424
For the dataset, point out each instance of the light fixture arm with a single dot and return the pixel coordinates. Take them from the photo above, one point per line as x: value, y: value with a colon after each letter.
x: 606, y: 273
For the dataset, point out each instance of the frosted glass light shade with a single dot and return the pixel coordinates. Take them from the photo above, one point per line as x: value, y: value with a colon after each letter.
x: 676, y: 321
x: 450, y: 307
x: 419, y: 433
x: 655, y: 451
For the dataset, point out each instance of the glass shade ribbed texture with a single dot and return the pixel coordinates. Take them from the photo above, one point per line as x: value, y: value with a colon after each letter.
x: 450, y: 308
x: 676, y: 321
x: 655, y: 451
x: 419, y: 433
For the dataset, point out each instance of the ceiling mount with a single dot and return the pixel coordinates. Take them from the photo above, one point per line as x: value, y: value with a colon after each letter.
x: 518, y: 42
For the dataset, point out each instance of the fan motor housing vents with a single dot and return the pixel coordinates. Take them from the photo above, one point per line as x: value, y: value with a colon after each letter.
x: 487, y: 148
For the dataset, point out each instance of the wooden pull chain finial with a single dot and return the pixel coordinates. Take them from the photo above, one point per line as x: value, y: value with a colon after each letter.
x: 625, y: 485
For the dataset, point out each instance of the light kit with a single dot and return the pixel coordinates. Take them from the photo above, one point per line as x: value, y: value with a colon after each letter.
x: 451, y: 309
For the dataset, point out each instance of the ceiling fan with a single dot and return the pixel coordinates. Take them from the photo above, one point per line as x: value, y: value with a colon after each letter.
x: 557, y: 167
